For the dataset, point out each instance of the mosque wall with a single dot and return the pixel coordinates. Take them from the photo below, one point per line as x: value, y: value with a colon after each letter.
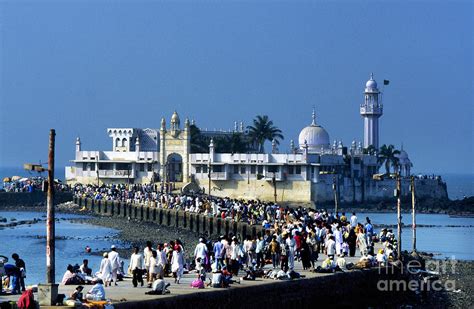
x: 366, y: 190
x: 294, y: 191
x: 349, y: 190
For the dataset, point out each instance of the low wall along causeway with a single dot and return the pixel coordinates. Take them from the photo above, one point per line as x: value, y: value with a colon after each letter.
x: 209, y: 226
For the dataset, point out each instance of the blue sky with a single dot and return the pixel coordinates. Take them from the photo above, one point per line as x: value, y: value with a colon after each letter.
x: 83, y: 66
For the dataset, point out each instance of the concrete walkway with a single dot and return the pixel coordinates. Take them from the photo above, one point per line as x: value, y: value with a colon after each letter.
x: 126, y: 292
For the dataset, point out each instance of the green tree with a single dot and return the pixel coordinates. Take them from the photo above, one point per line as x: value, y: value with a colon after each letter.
x: 370, y: 150
x: 199, y: 144
x: 234, y: 143
x: 387, y: 156
x: 263, y: 130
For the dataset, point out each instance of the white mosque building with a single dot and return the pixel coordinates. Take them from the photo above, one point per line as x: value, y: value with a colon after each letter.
x: 313, y: 171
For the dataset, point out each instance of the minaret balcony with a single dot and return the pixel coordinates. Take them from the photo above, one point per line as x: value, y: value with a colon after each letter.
x: 371, y: 110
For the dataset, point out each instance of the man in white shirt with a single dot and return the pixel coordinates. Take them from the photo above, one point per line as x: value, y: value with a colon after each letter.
x: 115, y: 261
x: 137, y: 264
x: 201, y: 250
x: 291, y: 243
x: 331, y: 247
x: 147, y: 254
x: 353, y: 220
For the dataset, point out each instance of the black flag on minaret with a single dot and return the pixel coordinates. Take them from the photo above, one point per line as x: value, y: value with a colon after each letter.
x: 386, y: 82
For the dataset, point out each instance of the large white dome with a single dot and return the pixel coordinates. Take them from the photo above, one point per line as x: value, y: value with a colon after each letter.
x: 315, y: 136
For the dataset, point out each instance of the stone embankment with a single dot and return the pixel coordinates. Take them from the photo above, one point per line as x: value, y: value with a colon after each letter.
x: 208, y: 226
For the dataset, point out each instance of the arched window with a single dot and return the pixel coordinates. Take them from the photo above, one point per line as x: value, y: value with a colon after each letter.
x: 124, y: 142
x: 117, y: 142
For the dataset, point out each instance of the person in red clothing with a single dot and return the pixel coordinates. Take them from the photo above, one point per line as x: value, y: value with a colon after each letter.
x: 297, y: 239
x: 26, y: 300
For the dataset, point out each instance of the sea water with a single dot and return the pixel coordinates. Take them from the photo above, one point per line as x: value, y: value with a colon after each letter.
x: 442, y: 235
x: 29, y: 241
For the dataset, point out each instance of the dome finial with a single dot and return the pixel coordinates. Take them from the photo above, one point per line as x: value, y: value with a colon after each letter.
x: 372, y: 76
x: 313, y: 115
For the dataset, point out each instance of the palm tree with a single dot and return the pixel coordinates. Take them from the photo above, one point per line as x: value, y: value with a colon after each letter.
x: 263, y: 130
x: 370, y: 150
x: 199, y: 144
x: 230, y: 144
x: 387, y: 155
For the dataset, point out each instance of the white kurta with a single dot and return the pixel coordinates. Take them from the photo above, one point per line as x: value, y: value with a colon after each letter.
x: 177, y: 263
x: 105, y: 270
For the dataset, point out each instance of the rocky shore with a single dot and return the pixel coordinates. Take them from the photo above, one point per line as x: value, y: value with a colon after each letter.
x: 457, y: 278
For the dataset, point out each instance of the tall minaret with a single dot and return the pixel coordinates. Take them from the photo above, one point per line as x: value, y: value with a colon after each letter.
x: 371, y: 110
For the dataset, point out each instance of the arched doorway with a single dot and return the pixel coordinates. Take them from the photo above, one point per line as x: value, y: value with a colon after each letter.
x: 174, y: 168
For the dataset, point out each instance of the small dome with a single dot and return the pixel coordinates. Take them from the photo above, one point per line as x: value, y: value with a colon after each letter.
x: 371, y: 83
x: 175, y: 118
x: 403, y: 157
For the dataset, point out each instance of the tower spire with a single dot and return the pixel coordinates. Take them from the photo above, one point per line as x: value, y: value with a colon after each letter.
x: 313, y: 116
x: 371, y: 110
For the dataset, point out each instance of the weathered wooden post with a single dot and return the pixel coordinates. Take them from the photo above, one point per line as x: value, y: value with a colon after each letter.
x: 334, y: 188
x: 413, y: 215
x: 399, y: 216
x: 48, y: 292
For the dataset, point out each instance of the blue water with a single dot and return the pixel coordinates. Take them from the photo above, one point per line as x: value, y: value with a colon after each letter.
x: 24, y: 240
x: 449, y: 237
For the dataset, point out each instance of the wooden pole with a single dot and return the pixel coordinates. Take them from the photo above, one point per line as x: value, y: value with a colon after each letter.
x: 399, y: 216
x: 209, y: 176
x: 413, y: 215
x: 50, y: 229
x: 336, y: 202
x: 274, y: 187
x: 97, y: 167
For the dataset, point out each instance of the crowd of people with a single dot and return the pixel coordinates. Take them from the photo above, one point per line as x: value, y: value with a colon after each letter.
x: 239, y: 210
x: 29, y: 184
x: 288, y: 235
x: 230, y: 259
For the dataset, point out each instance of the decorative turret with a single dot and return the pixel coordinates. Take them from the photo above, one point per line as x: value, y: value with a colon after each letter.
x: 175, y: 122
x: 137, y: 145
x: 78, y: 144
x: 186, y: 124
x: 242, y: 126
x: 305, y: 149
x: 274, y: 146
x: 292, y: 146
x: 371, y: 110
x: 211, y: 150
x: 163, y: 124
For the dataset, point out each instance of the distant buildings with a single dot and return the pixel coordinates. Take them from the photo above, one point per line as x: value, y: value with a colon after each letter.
x: 314, y: 170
